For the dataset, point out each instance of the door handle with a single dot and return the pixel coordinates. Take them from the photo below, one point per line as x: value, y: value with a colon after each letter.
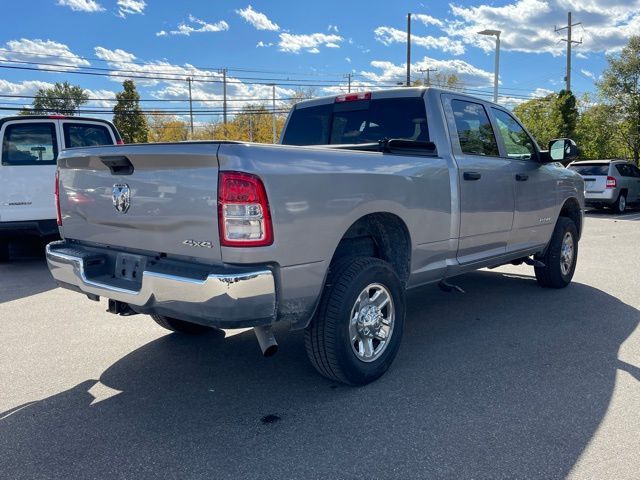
x: 471, y: 176
x: 521, y: 177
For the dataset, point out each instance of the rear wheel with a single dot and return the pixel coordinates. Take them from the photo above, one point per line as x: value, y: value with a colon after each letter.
x: 561, y: 256
x: 356, y: 332
x: 621, y: 204
x: 180, y: 326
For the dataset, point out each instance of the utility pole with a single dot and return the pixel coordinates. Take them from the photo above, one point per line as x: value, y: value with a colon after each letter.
x: 224, y: 95
x: 570, y: 42
x: 408, y: 49
x: 428, y: 71
x: 251, y: 127
x: 190, y: 106
x: 348, y: 76
x: 273, y: 116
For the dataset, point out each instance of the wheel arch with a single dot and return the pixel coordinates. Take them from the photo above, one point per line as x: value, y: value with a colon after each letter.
x: 571, y: 209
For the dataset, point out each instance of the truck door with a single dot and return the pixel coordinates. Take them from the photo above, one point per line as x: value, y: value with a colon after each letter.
x: 535, y: 184
x: 485, y: 181
x: 27, y: 170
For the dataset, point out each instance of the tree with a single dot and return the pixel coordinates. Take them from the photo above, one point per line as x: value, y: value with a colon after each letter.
x: 566, y: 105
x: 620, y: 88
x: 62, y: 98
x: 598, y: 131
x: 541, y: 117
x: 127, y: 115
x: 166, y: 128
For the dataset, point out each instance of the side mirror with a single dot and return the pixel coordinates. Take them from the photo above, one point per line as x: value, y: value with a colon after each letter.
x: 563, y: 150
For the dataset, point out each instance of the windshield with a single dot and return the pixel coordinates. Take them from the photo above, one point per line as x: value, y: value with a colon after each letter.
x: 362, y: 121
x: 591, y: 169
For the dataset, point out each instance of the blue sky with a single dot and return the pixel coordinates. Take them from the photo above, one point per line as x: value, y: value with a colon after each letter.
x: 295, y: 44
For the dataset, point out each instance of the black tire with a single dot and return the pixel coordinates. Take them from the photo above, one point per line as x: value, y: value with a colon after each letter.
x: 327, y: 337
x: 552, y: 274
x: 5, y: 254
x: 180, y: 326
x: 621, y: 203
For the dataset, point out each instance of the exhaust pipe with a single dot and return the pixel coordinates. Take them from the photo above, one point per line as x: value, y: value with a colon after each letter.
x: 266, y: 340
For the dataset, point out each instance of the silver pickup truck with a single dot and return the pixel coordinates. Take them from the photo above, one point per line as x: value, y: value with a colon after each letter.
x: 369, y: 194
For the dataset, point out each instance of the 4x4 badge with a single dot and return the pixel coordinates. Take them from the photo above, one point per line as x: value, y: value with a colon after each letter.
x: 121, y: 197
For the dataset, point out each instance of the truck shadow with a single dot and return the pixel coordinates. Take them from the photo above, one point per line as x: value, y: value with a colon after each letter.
x: 508, y: 380
x: 26, y: 273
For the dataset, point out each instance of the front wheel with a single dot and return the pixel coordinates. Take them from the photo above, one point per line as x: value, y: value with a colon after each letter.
x: 561, y: 256
x: 356, y: 332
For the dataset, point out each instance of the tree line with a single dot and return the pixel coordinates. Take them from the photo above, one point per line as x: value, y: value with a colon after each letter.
x: 604, y: 125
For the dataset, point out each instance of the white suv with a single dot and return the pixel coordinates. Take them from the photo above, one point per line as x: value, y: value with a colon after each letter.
x: 30, y: 146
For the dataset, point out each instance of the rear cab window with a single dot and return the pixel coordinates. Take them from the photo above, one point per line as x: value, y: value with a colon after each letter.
x: 86, y: 134
x: 595, y: 169
x: 32, y: 143
x: 360, y: 121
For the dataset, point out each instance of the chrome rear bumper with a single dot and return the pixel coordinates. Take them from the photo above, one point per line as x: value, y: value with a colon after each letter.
x: 226, y: 298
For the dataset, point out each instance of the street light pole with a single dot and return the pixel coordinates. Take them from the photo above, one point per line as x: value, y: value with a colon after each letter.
x: 496, y: 74
x: 408, y: 49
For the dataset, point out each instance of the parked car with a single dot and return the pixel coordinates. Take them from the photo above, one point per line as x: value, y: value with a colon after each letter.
x: 400, y: 188
x: 30, y: 146
x: 609, y: 183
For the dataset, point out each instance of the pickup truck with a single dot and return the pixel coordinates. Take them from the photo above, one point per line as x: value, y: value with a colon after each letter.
x: 369, y: 194
x: 30, y: 146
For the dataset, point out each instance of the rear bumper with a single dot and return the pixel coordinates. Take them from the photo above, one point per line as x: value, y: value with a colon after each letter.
x: 606, y: 197
x: 228, y: 297
x: 31, y: 228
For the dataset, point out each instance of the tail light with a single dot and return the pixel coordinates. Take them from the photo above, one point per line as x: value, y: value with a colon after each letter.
x: 611, y: 182
x: 352, y: 97
x: 243, y: 211
x: 56, y: 194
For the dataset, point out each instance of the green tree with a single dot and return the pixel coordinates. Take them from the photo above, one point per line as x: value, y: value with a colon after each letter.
x: 566, y: 105
x: 127, y: 115
x: 598, y: 131
x: 62, y: 98
x: 620, y: 88
x: 541, y: 117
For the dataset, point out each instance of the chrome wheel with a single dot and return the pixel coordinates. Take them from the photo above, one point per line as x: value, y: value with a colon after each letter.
x: 371, y: 324
x: 566, y: 253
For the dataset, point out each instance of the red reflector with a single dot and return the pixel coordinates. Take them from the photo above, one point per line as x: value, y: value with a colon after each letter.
x: 57, y: 116
x: 244, y: 218
x: 56, y: 194
x: 119, y: 142
x: 611, y: 182
x: 352, y: 97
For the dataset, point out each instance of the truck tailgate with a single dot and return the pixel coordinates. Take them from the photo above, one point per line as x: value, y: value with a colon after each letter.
x: 159, y: 198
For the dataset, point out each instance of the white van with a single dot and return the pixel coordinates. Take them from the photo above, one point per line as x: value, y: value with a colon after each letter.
x: 30, y: 146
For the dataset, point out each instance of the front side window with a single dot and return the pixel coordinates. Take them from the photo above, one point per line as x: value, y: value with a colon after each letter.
x: 85, y: 135
x: 516, y: 140
x: 474, y: 129
x: 29, y: 144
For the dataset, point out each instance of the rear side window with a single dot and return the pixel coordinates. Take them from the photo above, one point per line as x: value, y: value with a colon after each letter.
x: 85, y: 135
x: 29, y: 144
x: 474, y: 129
x: 596, y: 169
x: 362, y: 121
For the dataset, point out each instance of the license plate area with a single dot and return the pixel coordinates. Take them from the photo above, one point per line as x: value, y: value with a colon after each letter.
x: 130, y: 267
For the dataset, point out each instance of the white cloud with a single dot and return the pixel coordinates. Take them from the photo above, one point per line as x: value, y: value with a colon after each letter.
x: 196, y: 26
x: 588, y: 74
x: 389, y: 35
x: 541, y: 92
x: 259, y: 20
x: 527, y: 25
x: 100, y: 98
x: 390, y: 73
x: 347, y: 59
x: 114, y: 56
x: 332, y: 28
x: 131, y: 7
x: 311, y: 43
x: 428, y: 19
x: 42, y: 51
x: 261, y: 44
x: 82, y: 5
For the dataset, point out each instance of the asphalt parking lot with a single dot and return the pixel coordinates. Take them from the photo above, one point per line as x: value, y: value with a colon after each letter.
x: 505, y: 381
